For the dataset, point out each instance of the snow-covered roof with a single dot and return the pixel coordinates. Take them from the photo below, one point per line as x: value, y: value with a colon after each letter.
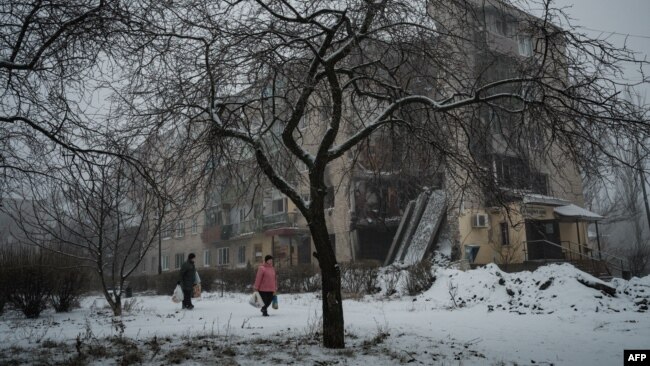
x: 572, y: 210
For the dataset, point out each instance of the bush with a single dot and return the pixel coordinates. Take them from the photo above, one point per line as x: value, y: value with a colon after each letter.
x: 300, y: 278
x: 3, y: 288
x: 391, y: 276
x: 360, y: 278
x: 4, y: 279
x: 419, y: 277
x: 165, y: 282
x: 67, y: 283
x: 143, y: 283
x: 30, y: 282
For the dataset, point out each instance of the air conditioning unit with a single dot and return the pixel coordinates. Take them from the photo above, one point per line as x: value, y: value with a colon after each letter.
x: 479, y: 220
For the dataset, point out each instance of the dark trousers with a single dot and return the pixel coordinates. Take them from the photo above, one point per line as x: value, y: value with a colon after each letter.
x: 267, y: 298
x: 187, y: 298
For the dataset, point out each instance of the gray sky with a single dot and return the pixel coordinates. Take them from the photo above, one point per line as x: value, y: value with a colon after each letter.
x: 619, y: 16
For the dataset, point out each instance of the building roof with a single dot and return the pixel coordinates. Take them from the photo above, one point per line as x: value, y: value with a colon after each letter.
x: 577, y: 212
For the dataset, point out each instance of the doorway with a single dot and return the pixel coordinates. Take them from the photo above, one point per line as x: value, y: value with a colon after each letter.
x: 539, y: 236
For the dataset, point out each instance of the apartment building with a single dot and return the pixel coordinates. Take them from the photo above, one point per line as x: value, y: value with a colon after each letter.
x: 536, y: 215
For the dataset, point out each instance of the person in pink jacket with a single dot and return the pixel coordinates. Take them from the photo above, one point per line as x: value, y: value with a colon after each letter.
x: 265, y: 283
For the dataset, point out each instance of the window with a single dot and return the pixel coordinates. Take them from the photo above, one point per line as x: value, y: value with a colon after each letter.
x: 213, y: 217
x: 179, y: 260
x: 165, y: 263
x: 279, y: 205
x: 166, y: 232
x: 525, y: 44
x: 241, y: 255
x: 501, y: 24
x: 242, y: 214
x: 180, y: 229
x: 258, y: 253
x: 223, y: 256
x: 195, y: 226
x: 207, y: 258
x: 505, y: 234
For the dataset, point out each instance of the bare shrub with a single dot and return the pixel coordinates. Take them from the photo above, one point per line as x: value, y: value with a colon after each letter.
x: 143, y: 283
x: 453, y: 294
x: 208, y: 277
x: 238, y: 280
x: 4, y: 279
x: 360, y: 278
x: 312, y: 283
x: 391, y: 277
x: 419, y: 277
x: 300, y: 278
x: 29, y: 276
x: 67, y: 283
x: 166, y: 282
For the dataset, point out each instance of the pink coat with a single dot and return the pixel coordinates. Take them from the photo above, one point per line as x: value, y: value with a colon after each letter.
x: 265, y: 279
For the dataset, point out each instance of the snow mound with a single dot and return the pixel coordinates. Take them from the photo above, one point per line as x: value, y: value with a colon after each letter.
x: 549, y: 289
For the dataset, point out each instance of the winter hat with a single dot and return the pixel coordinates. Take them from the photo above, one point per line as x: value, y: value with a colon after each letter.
x: 191, y: 256
x: 268, y: 257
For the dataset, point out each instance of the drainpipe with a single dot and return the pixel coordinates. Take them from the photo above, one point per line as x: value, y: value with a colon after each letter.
x: 578, y: 231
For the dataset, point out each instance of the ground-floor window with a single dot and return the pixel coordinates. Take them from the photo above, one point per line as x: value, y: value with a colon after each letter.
x: 223, y: 256
x: 179, y: 260
x: 241, y: 255
x: 165, y: 262
x: 258, y: 253
x: 505, y: 235
x: 207, y: 258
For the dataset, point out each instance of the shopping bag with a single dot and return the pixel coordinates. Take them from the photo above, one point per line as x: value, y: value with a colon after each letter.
x: 178, y: 294
x: 256, y: 300
x: 196, y: 290
x: 275, y: 302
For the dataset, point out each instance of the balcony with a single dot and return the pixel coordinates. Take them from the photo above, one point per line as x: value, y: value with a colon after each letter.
x: 278, y: 220
x: 273, y: 221
x: 239, y: 229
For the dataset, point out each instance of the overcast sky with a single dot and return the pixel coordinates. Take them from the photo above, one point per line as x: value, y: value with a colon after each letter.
x: 619, y: 16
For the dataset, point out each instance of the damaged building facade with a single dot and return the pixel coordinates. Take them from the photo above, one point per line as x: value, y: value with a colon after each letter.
x: 389, y: 202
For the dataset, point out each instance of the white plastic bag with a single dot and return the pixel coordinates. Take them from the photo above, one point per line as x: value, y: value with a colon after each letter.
x: 178, y: 294
x: 256, y: 300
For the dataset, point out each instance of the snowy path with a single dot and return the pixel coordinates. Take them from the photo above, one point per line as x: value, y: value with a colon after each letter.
x: 425, y: 335
x: 553, y: 316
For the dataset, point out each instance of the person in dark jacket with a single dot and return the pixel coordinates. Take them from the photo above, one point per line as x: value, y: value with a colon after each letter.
x: 188, y: 277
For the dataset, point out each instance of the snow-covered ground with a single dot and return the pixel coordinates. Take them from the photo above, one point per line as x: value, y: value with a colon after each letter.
x: 478, y: 317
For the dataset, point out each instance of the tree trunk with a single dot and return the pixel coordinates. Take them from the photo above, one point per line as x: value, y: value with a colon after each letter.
x: 117, y: 306
x: 645, y: 193
x: 333, y: 325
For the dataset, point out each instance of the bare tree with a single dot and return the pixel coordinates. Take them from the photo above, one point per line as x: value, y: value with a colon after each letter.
x: 53, y: 56
x: 252, y: 71
x: 99, y: 212
x: 620, y: 195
